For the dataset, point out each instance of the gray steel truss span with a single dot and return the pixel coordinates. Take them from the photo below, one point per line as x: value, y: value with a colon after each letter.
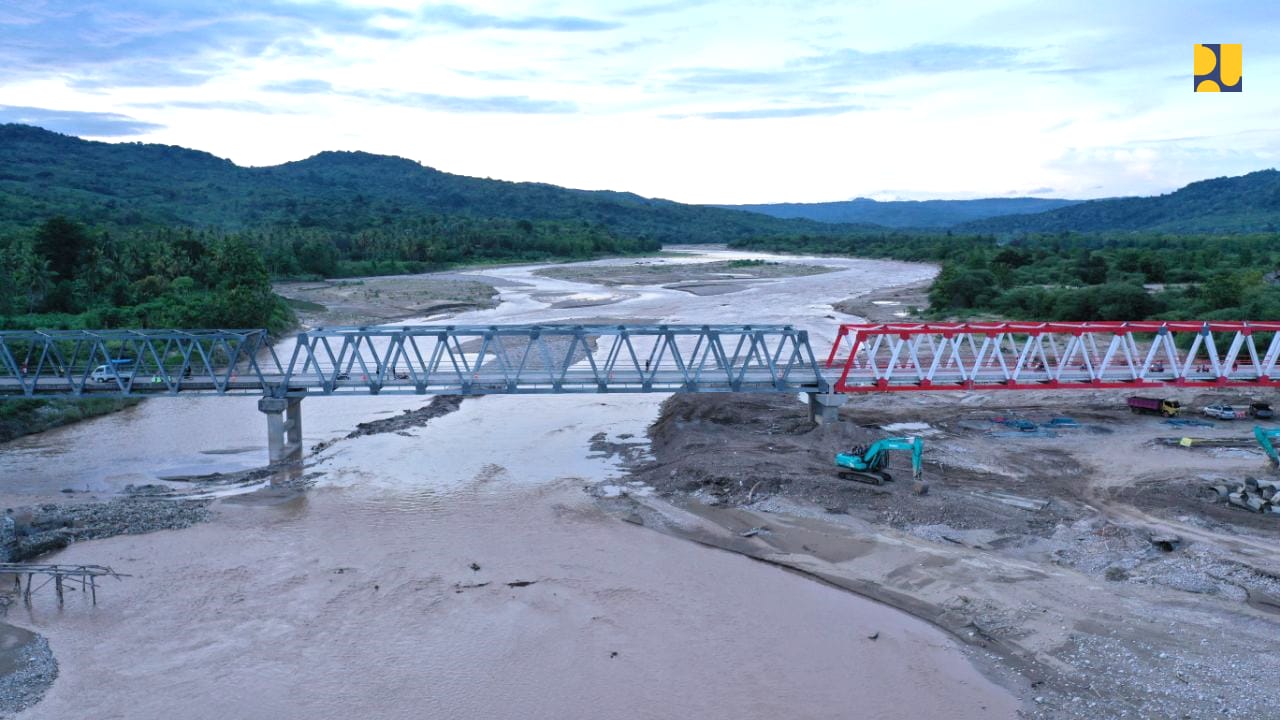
x: 411, y: 359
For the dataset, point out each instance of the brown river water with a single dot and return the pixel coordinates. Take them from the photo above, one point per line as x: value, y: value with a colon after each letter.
x: 358, y: 599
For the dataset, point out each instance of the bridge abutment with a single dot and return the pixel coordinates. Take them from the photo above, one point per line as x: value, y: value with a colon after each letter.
x: 284, y: 428
x: 825, y: 407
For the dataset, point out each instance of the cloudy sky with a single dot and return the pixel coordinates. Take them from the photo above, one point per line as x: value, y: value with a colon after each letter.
x: 692, y: 100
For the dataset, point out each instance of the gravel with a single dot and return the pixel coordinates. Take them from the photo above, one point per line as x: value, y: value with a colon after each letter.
x: 35, y: 672
x: 28, y: 533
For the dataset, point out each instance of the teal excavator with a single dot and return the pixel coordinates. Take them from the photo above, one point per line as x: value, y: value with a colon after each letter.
x: 1267, y: 438
x: 865, y: 464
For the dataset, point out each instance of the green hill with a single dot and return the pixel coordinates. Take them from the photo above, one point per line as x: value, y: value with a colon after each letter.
x: 125, y: 185
x: 1227, y: 205
x: 906, y: 213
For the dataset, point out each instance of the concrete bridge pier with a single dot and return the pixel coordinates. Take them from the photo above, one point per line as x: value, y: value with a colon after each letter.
x: 284, y: 428
x: 825, y: 407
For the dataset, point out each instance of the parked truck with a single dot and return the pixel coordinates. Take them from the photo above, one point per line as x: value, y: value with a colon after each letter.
x: 1165, y: 407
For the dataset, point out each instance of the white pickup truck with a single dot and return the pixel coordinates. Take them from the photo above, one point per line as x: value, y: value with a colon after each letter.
x: 105, y: 373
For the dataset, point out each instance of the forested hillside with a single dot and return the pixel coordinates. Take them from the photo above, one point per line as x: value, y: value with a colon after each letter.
x: 1243, y: 204
x: 130, y: 185
x: 907, y: 213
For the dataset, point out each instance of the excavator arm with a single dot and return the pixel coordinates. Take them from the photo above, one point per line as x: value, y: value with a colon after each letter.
x: 1268, y: 438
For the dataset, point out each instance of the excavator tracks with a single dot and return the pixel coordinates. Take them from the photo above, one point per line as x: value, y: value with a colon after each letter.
x: 870, y: 477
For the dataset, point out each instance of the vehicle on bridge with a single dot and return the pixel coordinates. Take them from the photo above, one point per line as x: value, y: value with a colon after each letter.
x: 1167, y: 408
x: 121, y: 369
x: 865, y: 464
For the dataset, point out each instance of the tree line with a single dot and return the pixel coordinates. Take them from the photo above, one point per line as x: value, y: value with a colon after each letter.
x: 61, y: 275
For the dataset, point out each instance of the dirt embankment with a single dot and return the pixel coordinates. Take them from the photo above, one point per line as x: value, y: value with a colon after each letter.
x: 1083, y: 561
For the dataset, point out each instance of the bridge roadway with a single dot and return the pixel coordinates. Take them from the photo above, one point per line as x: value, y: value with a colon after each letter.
x: 541, y: 359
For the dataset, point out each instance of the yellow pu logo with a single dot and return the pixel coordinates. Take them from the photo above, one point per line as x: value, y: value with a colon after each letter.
x: 1219, y: 67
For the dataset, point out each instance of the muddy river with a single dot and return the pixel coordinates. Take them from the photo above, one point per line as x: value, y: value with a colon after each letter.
x: 459, y: 569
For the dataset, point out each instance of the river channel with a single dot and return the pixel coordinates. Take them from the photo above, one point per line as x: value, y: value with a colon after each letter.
x: 459, y: 569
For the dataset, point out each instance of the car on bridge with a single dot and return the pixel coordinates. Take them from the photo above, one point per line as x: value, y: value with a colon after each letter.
x: 1221, y: 412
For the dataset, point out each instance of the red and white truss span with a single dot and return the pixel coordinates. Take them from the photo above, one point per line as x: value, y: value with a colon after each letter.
x: 1039, y: 356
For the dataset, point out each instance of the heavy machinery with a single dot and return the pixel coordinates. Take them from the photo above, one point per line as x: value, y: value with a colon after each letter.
x: 865, y: 464
x: 1268, y: 438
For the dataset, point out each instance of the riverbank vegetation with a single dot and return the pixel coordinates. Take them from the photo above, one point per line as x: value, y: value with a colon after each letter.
x: 1072, y: 276
x: 20, y: 417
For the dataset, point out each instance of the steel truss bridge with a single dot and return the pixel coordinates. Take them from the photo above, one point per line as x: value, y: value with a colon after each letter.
x: 412, y: 359
x: 529, y: 359
x: 1064, y: 356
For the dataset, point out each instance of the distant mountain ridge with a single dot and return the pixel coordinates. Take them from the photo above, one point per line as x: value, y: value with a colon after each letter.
x: 1241, y: 204
x: 43, y: 174
x: 906, y: 213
